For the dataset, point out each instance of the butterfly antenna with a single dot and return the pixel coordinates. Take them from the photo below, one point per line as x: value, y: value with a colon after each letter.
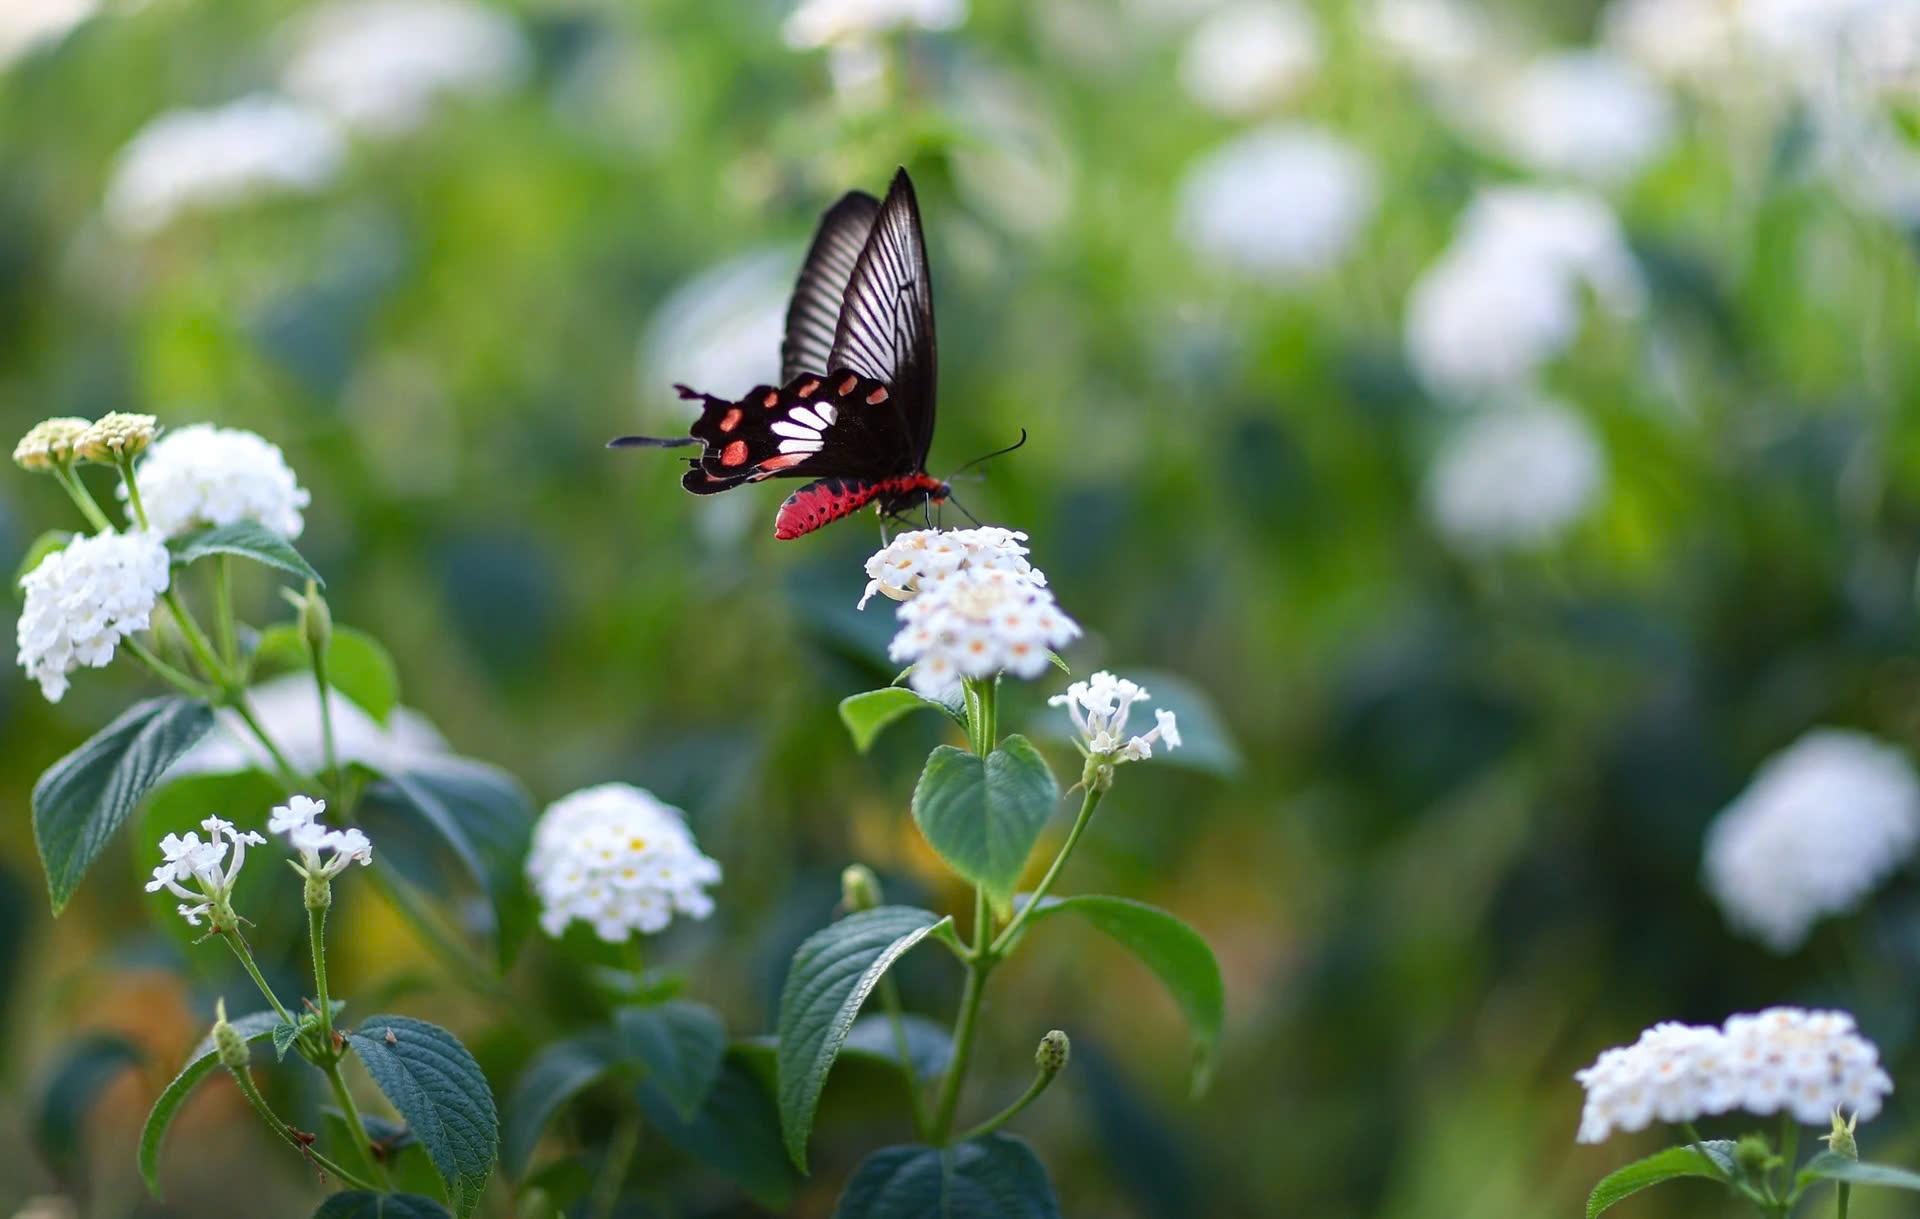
x: 963, y: 508
x: 989, y: 457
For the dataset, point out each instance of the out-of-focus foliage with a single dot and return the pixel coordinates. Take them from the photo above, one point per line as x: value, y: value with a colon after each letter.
x: 1505, y: 415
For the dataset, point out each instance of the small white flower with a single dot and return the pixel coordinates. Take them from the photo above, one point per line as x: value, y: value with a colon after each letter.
x: 187, y: 860
x: 299, y: 821
x: 1588, y: 114
x: 1515, y: 478
x: 206, y: 475
x: 822, y: 23
x: 920, y: 556
x: 1283, y: 202
x: 379, y: 65
x: 1250, y: 55
x: 189, y: 160
x: 1436, y: 38
x: 619, y: 860
x: 1821, y: 826
x: 1099, y: 708
x: 81, y: 601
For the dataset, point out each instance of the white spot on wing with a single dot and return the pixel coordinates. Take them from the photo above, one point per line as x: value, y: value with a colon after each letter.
x: 801, y: 414
x: 800, y: 446
x: 795, y: 430
x: 827, y: 412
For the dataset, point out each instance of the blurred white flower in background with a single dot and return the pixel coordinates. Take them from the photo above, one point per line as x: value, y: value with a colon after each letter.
x: 1588, y: 114
x: 81, y: 601
x: 1516, y: 477
x: 853, y: 31
x: 1823, y: 824
x: 288, y: 707
x: 1249, y: 56
x: 1505, y: 297
x: 1015, y: 165
x: 192, y: 160
x: 1438, y: 39
x: 720, y: 330
x: 379, y: 65
x: 1810, y: 1064
x: 206, y: 475
x: 1691, y: 41
x: 1280, y: 202
x: 28, y: 25
x: 619, y: 860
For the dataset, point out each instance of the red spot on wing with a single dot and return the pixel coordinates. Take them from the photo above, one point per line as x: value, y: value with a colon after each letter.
x: 734, y: 454
x: 846, y: 386
x: 730, y: 420
x: 878, y: 396
x: 771, y: 400
x: 783, y: 461
x: 806, y: 389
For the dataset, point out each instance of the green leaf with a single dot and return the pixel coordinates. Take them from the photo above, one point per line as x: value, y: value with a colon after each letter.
x: 929, y: 1046
x: 257, y: 1026
x: 365, y: 1204
x: 84, y: 797
x: 286, y: 1032
x: 1709, y: 1160
x: 86, y: 1067
x: 983, y: 816
x: 832, y: 974
x: 42, y: 546
x: 736, y: 1133
x: 1173, y: 951
x: 995, y: 1177
x: 557, y: 1074
x: 1830, y: 1167
x: 484, y: 816
x: 868, y: 715
x: 439, y: 1089
x: 358, y: 665
x: 680, y: 1043
x: 249, y: 540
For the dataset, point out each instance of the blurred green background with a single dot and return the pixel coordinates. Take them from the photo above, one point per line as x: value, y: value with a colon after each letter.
x: 1475, y: 711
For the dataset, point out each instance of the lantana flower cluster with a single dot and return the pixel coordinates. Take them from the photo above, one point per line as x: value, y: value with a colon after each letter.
x: 81, y: 601
x: 1810, y: 1064
x: 187, y: 860
x: 1099, y: 709
x: 207, y: 475
x: 619, y: 860
x: 299, y: 821
x: 971, y: 606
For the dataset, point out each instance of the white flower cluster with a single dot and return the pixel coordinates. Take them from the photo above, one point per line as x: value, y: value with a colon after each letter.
x: 188, y: 859
x: 972, y: 606
x: 1589, y: 114
x: 379, y: 65
x: 83, y: 600
x: 619, y: 860
x: 1506, y: 295
x: 299, y: 820
x: 189, y: 160
x: 821, y: 23
x: 206, y: 475
x: 1250, y: 55
x: 1810, y: 1064
x: 1282, y: 202
x: 1099, y: 707
x: 1823, y: 823
x: 1515, y: 478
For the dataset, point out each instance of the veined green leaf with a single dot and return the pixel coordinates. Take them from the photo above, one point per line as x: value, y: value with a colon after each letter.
x: 868, y: 715
x: 249, y: 540
x: 984, y: 815
x: 365, y: 1204
x: 557, y: 1074
x: 256, y: 1026
x: 1707, y: 1160
x: 995, y: 1177
x: 440, y: 1090
x: 1828, y: 1166
x: 680, y: 1043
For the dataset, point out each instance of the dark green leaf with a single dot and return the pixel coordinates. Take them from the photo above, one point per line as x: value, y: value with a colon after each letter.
x: 1830, y: 1167
x: 85, y: 1069
x: 929, y: 1046
x: 983, y: 816
x: 1708, y: 1160
x: 736, y: 1133
x: 680, y: 1043
x: 832, y: 974
x: 365, y: 1204
x: 557, y: 1074
x: 285, y: 1033
x: 868, y: 715
x: 1173, y: 951
x: 996, y: 1177
x: 485, y: 818
x: 257, y: 1026
x: 439, y: 1089
x: 249, y: 540
x: 42, y: 546
x: 84, y: 797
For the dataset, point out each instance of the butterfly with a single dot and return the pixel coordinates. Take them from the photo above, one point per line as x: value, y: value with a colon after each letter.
x: 854, y: 407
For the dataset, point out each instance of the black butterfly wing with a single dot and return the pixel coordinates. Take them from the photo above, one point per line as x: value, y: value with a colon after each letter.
x: 813, y: 315
x: 885, y: 331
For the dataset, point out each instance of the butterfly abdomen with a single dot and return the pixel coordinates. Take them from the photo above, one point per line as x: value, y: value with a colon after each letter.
x: 831, y: 499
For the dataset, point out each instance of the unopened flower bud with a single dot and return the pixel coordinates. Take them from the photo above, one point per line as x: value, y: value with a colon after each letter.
x: 49, y: 443
x: 1753, y: 1155
x: 228, y: 1042
x: 316, y: 620
x: 117, y: 437
x: 859, y: 888
x: 1841, y: 1141
x: 1052, y: 1054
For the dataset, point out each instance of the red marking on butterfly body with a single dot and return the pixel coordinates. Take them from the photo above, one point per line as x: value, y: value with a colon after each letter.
x: 831, y: 499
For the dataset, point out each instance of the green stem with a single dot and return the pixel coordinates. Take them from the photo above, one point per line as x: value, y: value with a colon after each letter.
x: 1034, y: 1089
x: 83, y: 499
x: 238, y: 943
x: 197, y: 640
x: 613, y: 1168
x: 329, y: 752
x: 890, y: 1000
x: 317, y: 940
x: 223, y: 613
x: 172, y: 676
x: 247, y: 1089
x: 1845, y: 1197
x: 125, y: 466
x: 1789, y: 1146
x: 964, y: 1028
x: 1004, y: 942
x: 350, y: 1113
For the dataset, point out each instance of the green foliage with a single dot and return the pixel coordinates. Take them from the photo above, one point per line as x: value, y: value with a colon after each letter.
x: 365, y: 1204
x: 286, y: 1032
x: 736, y: 1133
x: 832, y: 973
x: 358, y: 665
x: 983, y: 815
x: 1176, y: 954
x: 85, y: 797
x: 929, y: 1045
x: 1707, y: 1160
x: 82, y: 1072
x: 680, y: 1044
x: 443, y: 1095
x: 558, y: 1073
x: 995, y: 1177
x: 248, y: 540
x: 38, y: 549
x: 868, y: 715
x: 202, y: 1059
x: 1830, y: 1167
